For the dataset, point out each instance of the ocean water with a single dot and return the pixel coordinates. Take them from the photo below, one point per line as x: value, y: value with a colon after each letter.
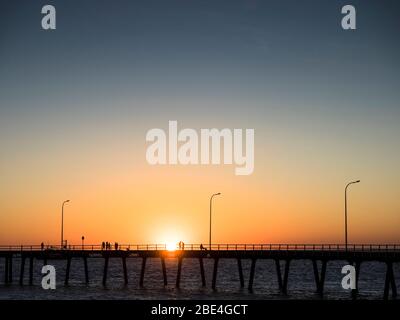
x: 301, y: 284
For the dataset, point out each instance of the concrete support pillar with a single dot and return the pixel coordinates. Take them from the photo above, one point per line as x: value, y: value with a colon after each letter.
x: 67, y: 271
x: 215, y: 271
x: 125, y: 270
x: 240, y: 269
x: 164, y: 271
x: 30, y: 270
x: 142, y: 271
x: 286, y: 277
x: 22, y: 269
x: 105, y: 271
x: 252, y: 272
x: 278, y: 273
x: 85, y: 264
x: 178, y: 276
x: 203, y: 277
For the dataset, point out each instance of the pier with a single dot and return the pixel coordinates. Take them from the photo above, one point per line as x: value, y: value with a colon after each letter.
x: 281, y: 254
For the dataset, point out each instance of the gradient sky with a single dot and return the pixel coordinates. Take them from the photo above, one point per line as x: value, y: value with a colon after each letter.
x: 76, y: 103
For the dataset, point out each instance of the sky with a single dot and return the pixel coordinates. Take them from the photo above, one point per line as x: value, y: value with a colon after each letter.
x: 76, y: 104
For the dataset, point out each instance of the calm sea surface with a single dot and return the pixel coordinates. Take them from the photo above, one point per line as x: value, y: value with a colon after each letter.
x: 301, y: 281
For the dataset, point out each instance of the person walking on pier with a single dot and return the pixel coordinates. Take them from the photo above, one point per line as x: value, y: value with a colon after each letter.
x: 42, y: 246
x: 103, y: 245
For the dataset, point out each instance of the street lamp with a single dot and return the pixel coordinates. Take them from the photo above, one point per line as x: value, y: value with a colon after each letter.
x: 62, y: 223
x: 209, y: 239
x: 345, y: 210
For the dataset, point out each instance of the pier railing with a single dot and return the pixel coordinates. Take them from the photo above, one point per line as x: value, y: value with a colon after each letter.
x: 214, y: 247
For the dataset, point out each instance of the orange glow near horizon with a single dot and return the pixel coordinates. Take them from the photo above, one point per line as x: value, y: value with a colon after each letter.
x: 292, y: 197
x: 149, y: 208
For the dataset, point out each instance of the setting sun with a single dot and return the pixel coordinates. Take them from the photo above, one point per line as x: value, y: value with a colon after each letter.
x: 171, y: 246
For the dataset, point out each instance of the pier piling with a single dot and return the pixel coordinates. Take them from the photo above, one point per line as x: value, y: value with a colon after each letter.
x: 319, y: 279
x: 10, y: 269
x: 30, y: 270
x: 142, y: 271
x: 215, y: 270
x: 6, y: 270
x: 390, y: 282
x: 164, y: 271
x: 85, y: 264
x: 178, y: 276
x: 125, y: 270
x: 354, y: 292
x: 252, y: 271
x: 67, y: 270
x: 105, y: 270
x: 240, y: 269
x: 21, y: 273
x: 278, y: 273
x: 286, y: 277
x: 203, y: 277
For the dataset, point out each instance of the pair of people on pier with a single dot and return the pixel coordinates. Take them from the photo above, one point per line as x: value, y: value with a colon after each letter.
x: 181, y: 245
x: 107, y: 245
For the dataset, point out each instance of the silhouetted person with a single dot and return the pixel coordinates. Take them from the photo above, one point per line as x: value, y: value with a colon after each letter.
x: 116, y: 246
x: 103, y: 245
x: 42, y: 246
x: 183, y: 245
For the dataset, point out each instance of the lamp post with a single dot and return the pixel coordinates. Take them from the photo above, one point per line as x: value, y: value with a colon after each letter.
x: 62, y: 223
x: 209, y: 239
x: 345, y: 210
